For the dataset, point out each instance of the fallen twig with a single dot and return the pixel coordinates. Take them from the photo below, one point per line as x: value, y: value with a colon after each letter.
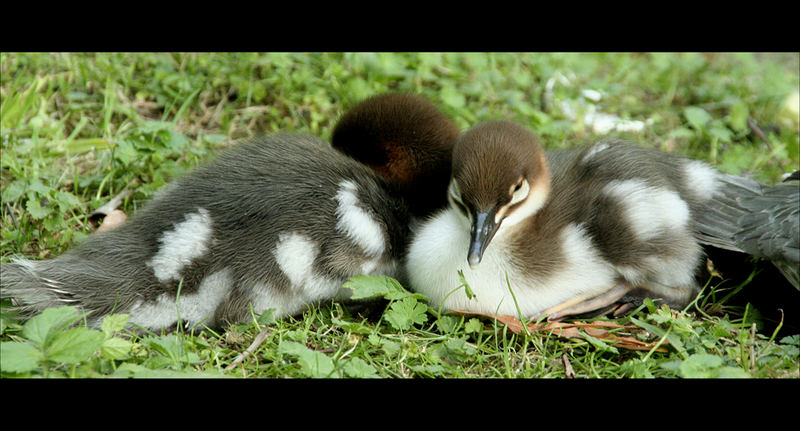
x: 112, y: 217
x: 111, y: 205
x: 757, y: 130
x: 252, y: 348
x: 568, y: 371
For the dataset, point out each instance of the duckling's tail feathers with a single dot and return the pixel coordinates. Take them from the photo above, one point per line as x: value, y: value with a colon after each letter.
x: 34, y: 285
x: 29, y: 292
x: 763, y: 221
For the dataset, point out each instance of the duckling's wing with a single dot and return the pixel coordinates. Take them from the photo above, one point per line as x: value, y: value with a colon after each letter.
x: 760, y: 220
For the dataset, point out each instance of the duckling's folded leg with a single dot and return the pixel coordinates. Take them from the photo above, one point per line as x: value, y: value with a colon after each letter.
x: 587, y: 303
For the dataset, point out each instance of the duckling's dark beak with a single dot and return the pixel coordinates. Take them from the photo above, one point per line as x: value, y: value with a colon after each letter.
x: 481, y: 233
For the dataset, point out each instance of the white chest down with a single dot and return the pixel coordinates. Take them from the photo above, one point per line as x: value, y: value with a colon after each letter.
x: 439, y: 253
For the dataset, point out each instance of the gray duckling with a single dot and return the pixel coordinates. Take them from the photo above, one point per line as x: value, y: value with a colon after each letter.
x: 277, y: 222
x: 572, y: 231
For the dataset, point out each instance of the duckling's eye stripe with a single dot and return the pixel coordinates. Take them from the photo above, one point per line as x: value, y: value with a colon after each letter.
x: 357, y: 223
x: 528, y: 201
x: 186, y: 242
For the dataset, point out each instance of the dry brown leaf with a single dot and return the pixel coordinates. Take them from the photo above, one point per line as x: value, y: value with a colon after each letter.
x: 113, y: 220
x: 112, y: 217
x: 597, y: 329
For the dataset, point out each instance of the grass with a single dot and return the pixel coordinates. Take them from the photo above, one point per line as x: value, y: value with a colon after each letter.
x: 77, y: 129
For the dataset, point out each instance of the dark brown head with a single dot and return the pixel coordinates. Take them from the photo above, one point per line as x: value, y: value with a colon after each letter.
x: 407, y: 140
x: 500, y: 177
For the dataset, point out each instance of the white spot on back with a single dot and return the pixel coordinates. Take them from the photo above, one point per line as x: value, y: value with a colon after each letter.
x: 357, y: 223
x: 295, y: 254
x: 266, y: 296
x: 701, y: 179
x: 369, y: 266
x: 194, y: 308
x: 651, y: 211
x: 201, y: 305
x: 288, y: 302
x: 596, y: 148
x: 186, y: 242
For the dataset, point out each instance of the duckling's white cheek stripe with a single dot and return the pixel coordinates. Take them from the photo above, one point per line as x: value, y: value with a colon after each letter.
x: 356, y: 223
x: 533, y: 203
x: 188, y: 241
x: 651, y: 211
x: 701, y: 179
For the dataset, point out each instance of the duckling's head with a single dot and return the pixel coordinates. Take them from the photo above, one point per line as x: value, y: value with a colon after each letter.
x: 407, y: 140
x: 499, y: 178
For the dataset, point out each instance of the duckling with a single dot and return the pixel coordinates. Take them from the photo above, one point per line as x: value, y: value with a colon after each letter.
x: 565, y: 232
x: 406, y: 139
x: 279, y: 222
